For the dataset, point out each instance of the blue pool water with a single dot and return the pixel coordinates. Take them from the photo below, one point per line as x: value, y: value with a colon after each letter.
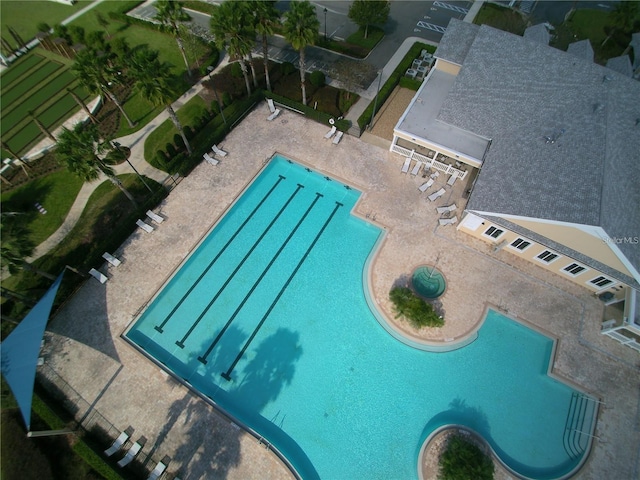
x: 268, y: 317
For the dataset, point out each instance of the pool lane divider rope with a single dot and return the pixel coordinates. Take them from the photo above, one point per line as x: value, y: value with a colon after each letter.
x: 227, y: 375
x: 180, y: 342
x: 203, y: 358
x: 160, y: 327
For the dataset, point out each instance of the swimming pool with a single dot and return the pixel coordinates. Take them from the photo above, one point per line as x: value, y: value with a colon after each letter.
x: 268, y: 317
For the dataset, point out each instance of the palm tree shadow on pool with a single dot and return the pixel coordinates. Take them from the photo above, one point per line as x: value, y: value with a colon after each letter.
x: 212, y: 447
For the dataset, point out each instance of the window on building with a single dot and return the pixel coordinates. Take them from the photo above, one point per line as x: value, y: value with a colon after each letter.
x: 574, y: 269
x: 520, y: 243
x: 493, y: 232
x: 601, y: 281
x: 547, y: 256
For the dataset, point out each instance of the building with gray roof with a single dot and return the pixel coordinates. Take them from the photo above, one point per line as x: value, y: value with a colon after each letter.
x: 561, y: 171
x: 538, y: 33
x: 581, y: 49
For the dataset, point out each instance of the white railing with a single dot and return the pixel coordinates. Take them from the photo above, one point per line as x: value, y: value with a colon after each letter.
x: 430, y: 162
x: 630, y: 342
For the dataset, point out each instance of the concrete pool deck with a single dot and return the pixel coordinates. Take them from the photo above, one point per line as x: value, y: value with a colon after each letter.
x: 110, y: 383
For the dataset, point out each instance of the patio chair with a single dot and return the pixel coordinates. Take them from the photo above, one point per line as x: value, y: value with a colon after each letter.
x: 132, y: 453
x: 117, y: 444
x: 338, y: 137
x: 273, y: 115
x: 158, y: 471
x: 448, y: 221
x: 416, y: 168
x: 155, y: 217
x: 111, y: 259
x: 405, y: 166
x: 449, y: 208
x: 219, y: 152
x: 331, y: 132
x: 209, y: 159
x: 98, y: 275
x: 423, y: 188
x: 452, y: 180
x: 145, y: 226
x: 436, y: 195
x: 435, y: 174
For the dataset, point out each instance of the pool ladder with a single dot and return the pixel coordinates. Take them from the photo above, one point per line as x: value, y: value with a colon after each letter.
x: 580, y: 418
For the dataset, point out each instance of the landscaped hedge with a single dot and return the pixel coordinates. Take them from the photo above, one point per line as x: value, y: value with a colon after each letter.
x: 308, y: 111
x: 393, y: 80
x: 90, y: 457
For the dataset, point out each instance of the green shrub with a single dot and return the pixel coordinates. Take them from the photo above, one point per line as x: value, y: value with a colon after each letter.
x: 317, y: 79
x: 410, y: 83
x: 236, y: 70
x: 227, y: 99
x: 413, y: 308
x: 463, y: 460
x: 287, y: 68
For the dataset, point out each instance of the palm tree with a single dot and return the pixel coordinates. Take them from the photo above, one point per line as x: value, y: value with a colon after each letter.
x: 301, y: 29
x: 16, y: 245
x: 84, y: 154
x: 231, y: 27
x: 82, y: 105
x: 170, y: 14
x: 153, y: 81
x: 98, y: 72
x: 266, y: 18
x: 622, y: 18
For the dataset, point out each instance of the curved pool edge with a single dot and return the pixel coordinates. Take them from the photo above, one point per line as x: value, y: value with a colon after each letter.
x: 233, y: 421
x: 434, y: 346
x: 494, y: 455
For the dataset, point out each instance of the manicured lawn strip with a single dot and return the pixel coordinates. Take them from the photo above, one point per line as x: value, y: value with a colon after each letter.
x: 23, y: 87
x: 18, y: 69
x: 24, y: 17
x: 56, y: 192
x: 140, y: 111
x: 89, y: 21
x: 502, y: 18
x: 161, y: 136
x: 27, y: 133
x: 35, y: 100
x: 58, y: 111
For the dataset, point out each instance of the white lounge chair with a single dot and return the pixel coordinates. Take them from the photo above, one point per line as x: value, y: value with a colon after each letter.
x: 448, y: 221
x: 331, y: 132
x: 452, y: 180
x: 157, y: 472
x: 273, y: 115
x: 111, y: 259
x: 449, y: 208
x: 425, y: 185
x: 146, y: 227
x: 405, y: 166
x: 98, y: 276
x: 219, y: 152
x: 155, y: 217
x: 133, y: 451
x: 435, y: 174
x: 338, y: 137
x: 416, y: 168
x: 436, y: 195
x: 117, y: 444
x: 272, y: 107
x: 209, y: 159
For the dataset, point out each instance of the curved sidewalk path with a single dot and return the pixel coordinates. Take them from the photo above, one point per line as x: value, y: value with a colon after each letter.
x: 135, y: 142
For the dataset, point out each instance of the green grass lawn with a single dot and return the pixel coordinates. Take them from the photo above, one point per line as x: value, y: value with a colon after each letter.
x: 502, y: 18
x: 56, y: 192
x: 164, y: 134
x: 24, y: 17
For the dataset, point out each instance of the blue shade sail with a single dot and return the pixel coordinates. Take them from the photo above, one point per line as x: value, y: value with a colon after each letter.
x: 21, y: 349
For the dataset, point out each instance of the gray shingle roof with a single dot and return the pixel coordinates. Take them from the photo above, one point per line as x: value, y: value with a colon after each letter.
x: 456, y: 41
x: 564, y: 137
x: 635, y: 44
x: 582, y: 49
x: 621, y: 64
x: 537, y: 33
